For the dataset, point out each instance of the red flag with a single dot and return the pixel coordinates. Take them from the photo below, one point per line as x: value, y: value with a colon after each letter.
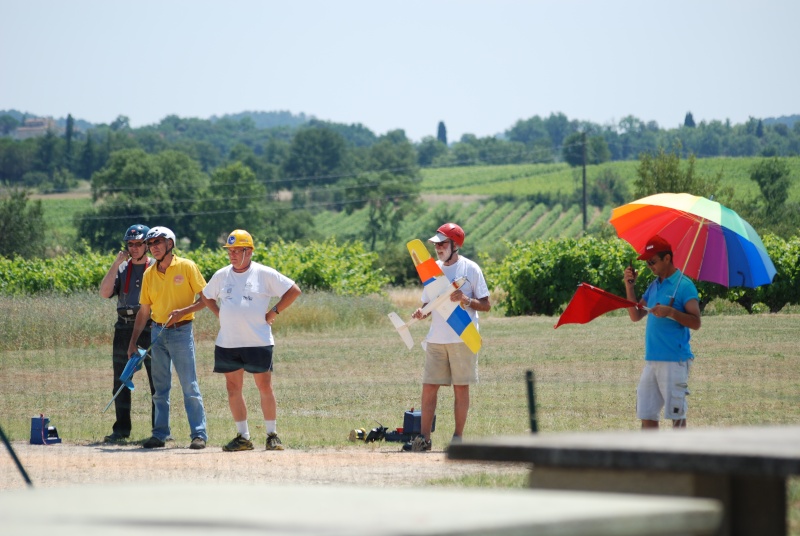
x: 590, y: 302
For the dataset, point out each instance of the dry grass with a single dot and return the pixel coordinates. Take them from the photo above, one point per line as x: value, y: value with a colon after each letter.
x: 347, y: 371
x: 336, y: 371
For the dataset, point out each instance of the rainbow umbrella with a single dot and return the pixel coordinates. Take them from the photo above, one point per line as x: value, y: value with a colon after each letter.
x: 710, y: 242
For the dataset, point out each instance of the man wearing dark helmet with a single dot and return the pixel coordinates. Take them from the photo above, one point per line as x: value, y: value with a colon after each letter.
x: 124, y: 280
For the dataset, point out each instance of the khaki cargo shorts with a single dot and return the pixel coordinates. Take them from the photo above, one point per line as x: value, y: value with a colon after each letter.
x: 450, y: 364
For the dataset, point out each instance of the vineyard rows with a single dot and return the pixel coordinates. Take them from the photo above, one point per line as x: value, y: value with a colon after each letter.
x: 486, y: 223
x: 535, y: 179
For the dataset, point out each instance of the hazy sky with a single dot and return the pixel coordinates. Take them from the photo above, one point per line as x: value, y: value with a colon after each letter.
x: 477, y: 66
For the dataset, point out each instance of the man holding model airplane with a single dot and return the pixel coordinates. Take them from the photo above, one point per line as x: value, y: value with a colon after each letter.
x: 451, y: 347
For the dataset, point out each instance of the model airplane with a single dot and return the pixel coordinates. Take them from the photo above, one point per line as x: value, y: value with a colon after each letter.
x: 438, y: 287
x: 134, y: 364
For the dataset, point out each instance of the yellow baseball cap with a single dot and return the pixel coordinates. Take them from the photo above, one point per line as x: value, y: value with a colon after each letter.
x: 239, y: 239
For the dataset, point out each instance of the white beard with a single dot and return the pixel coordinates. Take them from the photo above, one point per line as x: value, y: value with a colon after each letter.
x: 445, y: 255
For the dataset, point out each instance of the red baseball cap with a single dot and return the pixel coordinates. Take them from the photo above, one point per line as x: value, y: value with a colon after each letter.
x: 654, y: 245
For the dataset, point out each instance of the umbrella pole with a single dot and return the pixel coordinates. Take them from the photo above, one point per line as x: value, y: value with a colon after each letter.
x: 688, y: 255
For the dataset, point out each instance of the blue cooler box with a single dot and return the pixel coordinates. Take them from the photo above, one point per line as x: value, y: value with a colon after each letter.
x: 41, y: 433
x: 412, y: 423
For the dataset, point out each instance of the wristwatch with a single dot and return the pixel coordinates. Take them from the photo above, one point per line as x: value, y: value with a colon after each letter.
x: 275, y: 310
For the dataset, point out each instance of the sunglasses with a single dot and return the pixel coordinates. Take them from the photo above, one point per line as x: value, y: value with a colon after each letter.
x: 237, y: 251
x: 156, y: 242
x: 655, y: 259
x: 135, y: 244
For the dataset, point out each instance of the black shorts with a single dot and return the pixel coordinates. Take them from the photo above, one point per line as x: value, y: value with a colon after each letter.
x: 252, y: 359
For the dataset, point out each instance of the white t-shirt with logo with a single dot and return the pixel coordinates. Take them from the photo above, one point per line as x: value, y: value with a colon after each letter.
x: 243, y: 301
x: 474, y: 287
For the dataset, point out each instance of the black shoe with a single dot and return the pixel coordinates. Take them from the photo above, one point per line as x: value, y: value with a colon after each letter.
x: 238, y: 443
x: 153, y: 443
x: 273, y: 442
x: 418, y: 444
x: 115, y: 437
x: 421, y: 445
x: 197, y: 443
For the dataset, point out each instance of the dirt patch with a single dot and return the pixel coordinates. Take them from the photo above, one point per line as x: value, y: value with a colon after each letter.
x: 379, y: 465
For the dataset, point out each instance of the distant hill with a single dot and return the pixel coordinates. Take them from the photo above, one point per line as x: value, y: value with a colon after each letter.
x: 788, y: 120
x: 268, y: 119
x: 61, y: 122
x: 262, y: 120
x: 282, y: 118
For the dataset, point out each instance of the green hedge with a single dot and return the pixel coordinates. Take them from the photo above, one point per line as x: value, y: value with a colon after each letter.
x: 541, y: 277
x: 346, y: 269
x: 537, y: 277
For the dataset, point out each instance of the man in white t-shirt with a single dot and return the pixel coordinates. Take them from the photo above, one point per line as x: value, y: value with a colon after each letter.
x: 448, y: 360
x: 240, y: 294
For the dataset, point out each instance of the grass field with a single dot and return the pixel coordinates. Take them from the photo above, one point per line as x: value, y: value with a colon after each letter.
x: 59, y: 217
x: 340, y: 365
x: 531, y: 179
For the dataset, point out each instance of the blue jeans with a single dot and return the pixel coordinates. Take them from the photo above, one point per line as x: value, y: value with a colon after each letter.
x: 175, y: 347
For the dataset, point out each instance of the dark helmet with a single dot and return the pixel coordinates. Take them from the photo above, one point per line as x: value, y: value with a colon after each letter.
x: 136, y: 232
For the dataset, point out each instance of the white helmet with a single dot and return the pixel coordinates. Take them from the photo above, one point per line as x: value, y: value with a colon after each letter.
x: 156, y: 232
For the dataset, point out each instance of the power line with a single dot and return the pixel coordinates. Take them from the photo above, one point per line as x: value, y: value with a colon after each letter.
x: 238, y: 210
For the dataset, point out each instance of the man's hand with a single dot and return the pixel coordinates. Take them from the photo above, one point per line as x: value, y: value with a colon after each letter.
x: 459, y: 296
x: 122, y: 256
x: 630, y: 275
x: 662, y: 311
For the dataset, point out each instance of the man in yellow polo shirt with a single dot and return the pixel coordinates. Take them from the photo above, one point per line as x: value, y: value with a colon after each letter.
x: 172, y: 283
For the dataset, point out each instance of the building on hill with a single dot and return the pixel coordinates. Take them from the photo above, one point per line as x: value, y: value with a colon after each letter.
x: 35, y: 127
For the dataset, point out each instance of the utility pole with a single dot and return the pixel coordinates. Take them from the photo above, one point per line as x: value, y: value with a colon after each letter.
x: 583, y: 139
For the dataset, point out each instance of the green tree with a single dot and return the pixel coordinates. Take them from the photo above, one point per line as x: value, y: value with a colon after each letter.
x: 7, y: 124
x: 161, y: 189
x: 597, y: 150
x: 572, y: 150
x: 47, y: 154
x: 234, y: 200
x: 529, y: 131
x: 663, y: 173
x: 429, y: 149
x: 356, y: 135
x: 68, y: 135
x: 773, y: 177
x: 558, y: 128
x: 465, y: 153
x: 688, y: 121
x: 398, y: 192
x: 608, y: 188
x: 86, y: 165
x: 22, y: 227
x: 389, y: 191
x: 121, y: 123
x: 276, y: 151
x: 16, y: 159
x: 316, y: 157
x: 441, y: 133
x: 493, y: 151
